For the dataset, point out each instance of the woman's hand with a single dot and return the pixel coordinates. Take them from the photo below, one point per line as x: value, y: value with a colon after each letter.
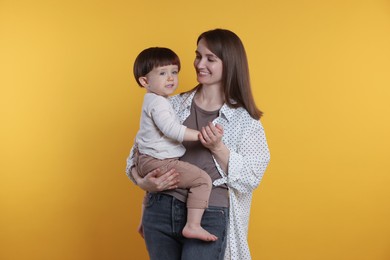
x: 156, y: 181
x: 211, y: 137
x: 140, y: 228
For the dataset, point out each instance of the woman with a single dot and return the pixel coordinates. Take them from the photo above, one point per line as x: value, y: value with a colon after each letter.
x: 232, y: 150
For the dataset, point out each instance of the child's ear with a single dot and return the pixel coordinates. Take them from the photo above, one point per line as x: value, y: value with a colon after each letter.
x: 143, y: 81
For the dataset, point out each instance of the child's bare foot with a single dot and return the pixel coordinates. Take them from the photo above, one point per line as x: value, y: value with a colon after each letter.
x: 198, y: 232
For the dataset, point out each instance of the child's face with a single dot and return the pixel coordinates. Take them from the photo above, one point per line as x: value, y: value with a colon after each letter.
x: 162, y: 81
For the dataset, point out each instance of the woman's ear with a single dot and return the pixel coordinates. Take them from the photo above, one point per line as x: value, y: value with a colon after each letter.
x: 144, y: 81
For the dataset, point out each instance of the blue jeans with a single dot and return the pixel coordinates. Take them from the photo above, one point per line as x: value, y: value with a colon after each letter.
x: 163, y: 221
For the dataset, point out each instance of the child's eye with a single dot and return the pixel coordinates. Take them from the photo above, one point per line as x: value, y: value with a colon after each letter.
x: 162, y: 73
x: 175, y: 72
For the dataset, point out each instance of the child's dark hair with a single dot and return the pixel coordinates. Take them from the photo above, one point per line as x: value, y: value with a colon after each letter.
x: 151, y: 58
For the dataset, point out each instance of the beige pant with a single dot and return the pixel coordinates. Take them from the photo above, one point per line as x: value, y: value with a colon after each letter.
x: 197, y: 181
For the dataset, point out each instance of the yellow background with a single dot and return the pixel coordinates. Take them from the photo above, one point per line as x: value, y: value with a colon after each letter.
x: 69, y: 110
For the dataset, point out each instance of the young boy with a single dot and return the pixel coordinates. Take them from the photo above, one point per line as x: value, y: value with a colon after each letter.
x: 160, y: 135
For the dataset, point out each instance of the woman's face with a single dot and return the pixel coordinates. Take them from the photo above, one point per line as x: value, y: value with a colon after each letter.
x: 207, y: 65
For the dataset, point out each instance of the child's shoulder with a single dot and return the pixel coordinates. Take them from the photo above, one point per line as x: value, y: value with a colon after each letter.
x: 153, y: 96
x: 152, y: 100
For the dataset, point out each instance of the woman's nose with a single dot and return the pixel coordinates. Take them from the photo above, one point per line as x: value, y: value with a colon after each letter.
x: 199, y: 63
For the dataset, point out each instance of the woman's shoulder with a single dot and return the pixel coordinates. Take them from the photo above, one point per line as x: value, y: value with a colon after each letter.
x: 181, y: 96
x: 238, y: 113
x: 182, y: 99
x: 241, y: 116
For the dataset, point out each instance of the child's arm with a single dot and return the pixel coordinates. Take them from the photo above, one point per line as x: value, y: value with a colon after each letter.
x: 165, y: 119
x: 191, y: 135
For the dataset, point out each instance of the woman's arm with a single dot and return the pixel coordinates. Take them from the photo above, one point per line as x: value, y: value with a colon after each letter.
x: 248, y: 160
x: 211, y: 138
x: 155, y: 181
x: 140, y: 228
x: 242, y: 161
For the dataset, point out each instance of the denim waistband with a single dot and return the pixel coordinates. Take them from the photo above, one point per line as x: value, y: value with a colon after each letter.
x: 158, y: 196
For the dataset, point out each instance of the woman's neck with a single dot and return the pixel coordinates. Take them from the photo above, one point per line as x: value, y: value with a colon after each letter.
x: 209, y: 98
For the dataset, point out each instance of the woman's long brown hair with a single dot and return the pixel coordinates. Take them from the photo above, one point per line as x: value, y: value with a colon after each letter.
x: 227, y: 46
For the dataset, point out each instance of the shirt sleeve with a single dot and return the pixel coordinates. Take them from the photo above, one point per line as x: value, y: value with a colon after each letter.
x: 130, y: 164
x: 166, y: 120
x: 247, y: 163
